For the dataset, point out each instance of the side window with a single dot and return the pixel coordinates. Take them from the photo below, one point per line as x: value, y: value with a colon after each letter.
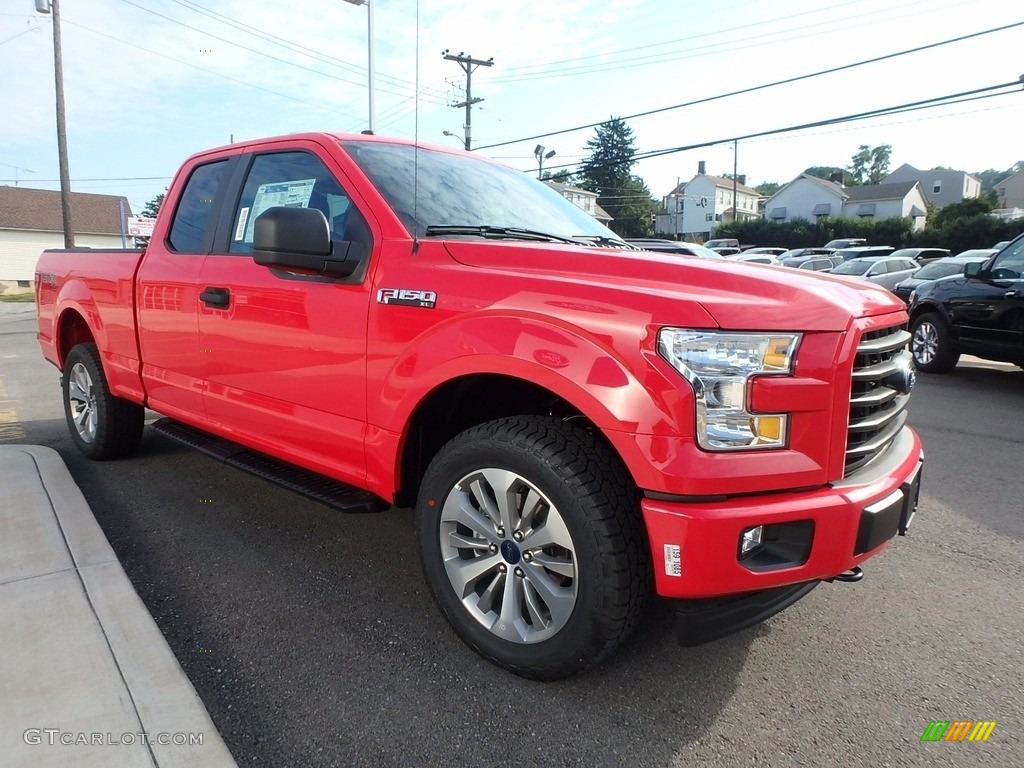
x: 195, y: 208
x: 1010, y: 263
x: 294, y: 179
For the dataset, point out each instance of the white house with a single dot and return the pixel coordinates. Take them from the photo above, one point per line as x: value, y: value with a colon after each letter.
x: 698, y: 206
x: 583, y: 198
x: 808, y: 197
x: 31, y: 221
x: 940, y: 187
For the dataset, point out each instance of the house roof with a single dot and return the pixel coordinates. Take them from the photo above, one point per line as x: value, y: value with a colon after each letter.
x: 871, y: 192
x: 39, y: 209
x: 720, y: 181
x: 907, y: 169
x: 830, y: 186
x: 560, y: 187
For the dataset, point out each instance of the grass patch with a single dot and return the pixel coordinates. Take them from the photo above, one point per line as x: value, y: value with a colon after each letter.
x: 18, y: 298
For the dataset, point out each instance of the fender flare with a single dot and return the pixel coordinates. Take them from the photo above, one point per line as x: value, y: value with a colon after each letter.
x: 622, y: 393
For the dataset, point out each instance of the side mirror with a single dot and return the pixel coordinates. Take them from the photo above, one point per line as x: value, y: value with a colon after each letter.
x: 973, y: 269
x: 300, y: 239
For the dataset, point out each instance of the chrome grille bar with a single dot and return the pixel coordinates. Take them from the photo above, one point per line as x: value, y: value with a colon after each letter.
x: 878, y: 399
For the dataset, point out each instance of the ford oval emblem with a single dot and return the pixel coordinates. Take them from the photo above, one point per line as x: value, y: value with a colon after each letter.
x: 904, y: 377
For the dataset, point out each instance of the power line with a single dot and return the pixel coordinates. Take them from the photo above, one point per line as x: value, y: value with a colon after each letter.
x: 259, y: 53
x: 296, y: 47
x: 938, y: 101
x: 648, y: 47
x: 747, y: 42
x: 764, y: 86
x: 209, y: 71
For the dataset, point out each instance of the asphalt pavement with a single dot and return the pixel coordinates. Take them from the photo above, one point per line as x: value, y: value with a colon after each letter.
x: 311, y: 638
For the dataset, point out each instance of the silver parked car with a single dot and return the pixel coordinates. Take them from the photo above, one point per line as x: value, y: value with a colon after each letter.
x: 885, y: 271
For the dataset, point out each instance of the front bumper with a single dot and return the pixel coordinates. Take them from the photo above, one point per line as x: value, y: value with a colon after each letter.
x: 811, y: 535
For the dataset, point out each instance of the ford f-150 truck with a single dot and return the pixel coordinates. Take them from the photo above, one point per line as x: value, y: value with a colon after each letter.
x: 378, y: 322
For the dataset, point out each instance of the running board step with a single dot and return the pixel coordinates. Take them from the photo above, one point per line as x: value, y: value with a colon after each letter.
x: 326, y: 490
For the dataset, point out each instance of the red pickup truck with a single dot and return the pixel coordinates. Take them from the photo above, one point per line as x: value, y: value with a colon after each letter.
x: 375, y: 322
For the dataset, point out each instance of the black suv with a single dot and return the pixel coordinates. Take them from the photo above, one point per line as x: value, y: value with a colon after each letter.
x: 980, y: 312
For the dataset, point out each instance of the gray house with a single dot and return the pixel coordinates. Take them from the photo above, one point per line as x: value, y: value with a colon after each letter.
x: 940, y: 187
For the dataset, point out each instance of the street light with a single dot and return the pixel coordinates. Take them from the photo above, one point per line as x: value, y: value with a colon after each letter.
x: 369, y: 46
x: 46, y: 6
x: 538, y: 152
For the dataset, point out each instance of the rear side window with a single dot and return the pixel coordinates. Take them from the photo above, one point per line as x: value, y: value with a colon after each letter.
x: 195, y: 209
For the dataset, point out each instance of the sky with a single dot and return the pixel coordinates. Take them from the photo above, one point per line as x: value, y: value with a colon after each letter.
x: 149, y: 82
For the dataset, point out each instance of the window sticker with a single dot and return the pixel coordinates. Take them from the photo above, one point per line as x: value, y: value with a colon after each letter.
x: 290, y: 194
x: 243, y: 216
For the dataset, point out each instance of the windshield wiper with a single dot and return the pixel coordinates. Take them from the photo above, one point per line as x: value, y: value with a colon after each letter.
x: 605, y: 240
x: 499, y: 233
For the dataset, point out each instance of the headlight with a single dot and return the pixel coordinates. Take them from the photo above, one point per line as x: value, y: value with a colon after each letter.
x: 719, y: 366
x: 913, y: 295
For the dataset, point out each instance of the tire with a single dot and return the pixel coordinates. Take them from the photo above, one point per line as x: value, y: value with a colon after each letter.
x: 532, y: 544
x: 101, y: 425
x: 930, y: 344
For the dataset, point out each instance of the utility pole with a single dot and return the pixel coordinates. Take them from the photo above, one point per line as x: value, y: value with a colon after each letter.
x: 48, y: 6
x: 735, y: 164
x: 468, y: 64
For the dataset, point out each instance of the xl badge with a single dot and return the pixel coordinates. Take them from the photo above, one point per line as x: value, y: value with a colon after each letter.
x: 406, y: 297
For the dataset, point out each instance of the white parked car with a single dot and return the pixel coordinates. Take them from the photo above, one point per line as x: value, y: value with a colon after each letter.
x: 885, y: 271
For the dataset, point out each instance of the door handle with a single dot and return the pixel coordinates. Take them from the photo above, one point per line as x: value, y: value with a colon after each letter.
x: 1011, y: 294
x: 215, y: 297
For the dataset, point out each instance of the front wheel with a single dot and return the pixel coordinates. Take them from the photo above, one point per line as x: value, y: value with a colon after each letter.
x: 103, y: 426
x: 531, y: 542
x: 931, y: 346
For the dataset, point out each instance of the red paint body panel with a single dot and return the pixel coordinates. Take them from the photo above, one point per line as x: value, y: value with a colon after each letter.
x: 324, y: 375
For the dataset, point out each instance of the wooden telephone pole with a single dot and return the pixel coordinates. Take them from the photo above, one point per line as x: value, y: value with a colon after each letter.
x: 468, y: 64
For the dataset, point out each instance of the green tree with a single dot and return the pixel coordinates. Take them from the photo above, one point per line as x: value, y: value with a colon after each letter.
x: 767, y: 188
x: 870, y: 165
x: 153, y: 206
x: 606, y: 170
x: 633, y: 210
x: 965, y: 209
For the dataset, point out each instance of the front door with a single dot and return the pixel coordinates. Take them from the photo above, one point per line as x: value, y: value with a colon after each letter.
x: 989, y: 309
x: 286, y: 365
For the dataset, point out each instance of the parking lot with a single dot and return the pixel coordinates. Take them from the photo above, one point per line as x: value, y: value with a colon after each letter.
x: 312, y: 639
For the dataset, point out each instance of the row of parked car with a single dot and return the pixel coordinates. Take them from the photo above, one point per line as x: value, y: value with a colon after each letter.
x: 970, y: 303
x: 899, y: 270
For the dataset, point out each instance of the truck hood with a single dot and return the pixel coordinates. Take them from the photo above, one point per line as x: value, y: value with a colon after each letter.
x: 736, y: 295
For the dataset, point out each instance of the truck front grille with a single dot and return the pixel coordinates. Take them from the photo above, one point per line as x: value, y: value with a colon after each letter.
x: 882, y: 379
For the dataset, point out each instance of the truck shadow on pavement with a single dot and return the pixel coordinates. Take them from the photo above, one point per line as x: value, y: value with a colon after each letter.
x: 312, y: 638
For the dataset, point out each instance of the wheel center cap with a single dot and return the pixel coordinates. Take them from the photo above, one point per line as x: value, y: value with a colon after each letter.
x: 510, y: 552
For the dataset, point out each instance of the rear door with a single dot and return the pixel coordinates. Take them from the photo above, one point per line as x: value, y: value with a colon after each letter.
x: 989, y: 309
x: 167, y: 295
x: 286, y: 370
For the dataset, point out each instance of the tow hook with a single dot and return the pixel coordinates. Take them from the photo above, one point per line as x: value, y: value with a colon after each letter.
x: 852, y: 575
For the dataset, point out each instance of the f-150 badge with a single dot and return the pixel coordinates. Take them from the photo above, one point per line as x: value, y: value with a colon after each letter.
x: 406, y: 297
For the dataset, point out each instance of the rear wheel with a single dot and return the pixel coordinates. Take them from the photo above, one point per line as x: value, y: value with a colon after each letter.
x: 102, y: 426
x: 531, y: 541
x: 931, y: 346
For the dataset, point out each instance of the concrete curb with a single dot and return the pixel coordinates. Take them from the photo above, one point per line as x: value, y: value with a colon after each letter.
x: 89, y: 680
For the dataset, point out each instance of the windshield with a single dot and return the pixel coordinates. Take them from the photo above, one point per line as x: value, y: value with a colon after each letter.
x: 938, y: 269
x: 704, y: 252
x: 853, y: 267
x: 464, y: 190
